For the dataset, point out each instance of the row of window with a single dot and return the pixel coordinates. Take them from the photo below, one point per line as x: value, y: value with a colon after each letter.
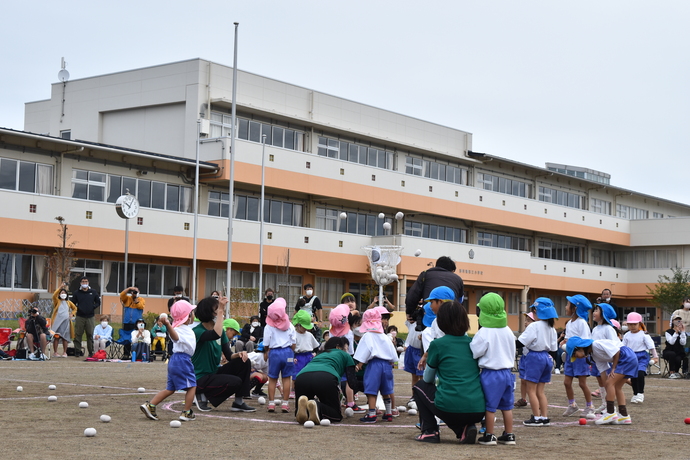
x: 20, y: 271
x: 560, y: 197
x: 505, y: 241
x: 628, y: 212
x: 435, y: 232
x: 151, y: 279
x: 560, y: 251
x: 96, y: 186
x: 355, y: 222
x: 355, y: 153
x: 503, y: 185
x: 246, y: 207
x: 26, y: 176
x: 253, y: 131
x: 600, y: 206
x: 435, y: 170
x: 288, y: 287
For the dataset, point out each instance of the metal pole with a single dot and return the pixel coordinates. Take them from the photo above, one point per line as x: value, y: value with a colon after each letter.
x: 126, y: 250
x: 261, y: 218
x: 232, y: 171
x: 196, y: 211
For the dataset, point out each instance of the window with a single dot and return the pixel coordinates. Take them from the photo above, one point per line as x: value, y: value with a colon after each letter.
x: 251, y: 130
x: 600, y: 206
x: 21, y: 271
x: 329, y: 290
x: 503, y: 185
x: 26, y: 176
x: 435, y: 170
x: 247, y: 208
x: 95, y: 186
x: 646, y: 259
x: 359, y: 223
x: 628, y: 212
x: 550, y: 195
x: 437, y: 232
x: 152, y: 279
x: 355, y: 153
x: 560, y: 251
x: 66, y: 134
x: 601, y: 257
x: 287, y: 287
x: 657, y: 215
x: 504, y: 240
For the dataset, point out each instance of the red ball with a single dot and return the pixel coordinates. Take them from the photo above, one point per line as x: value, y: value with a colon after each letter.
x: 583, y: 421
x: 687, y: 421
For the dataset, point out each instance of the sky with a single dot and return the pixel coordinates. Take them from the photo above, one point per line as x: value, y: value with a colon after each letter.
x: 601, y: 84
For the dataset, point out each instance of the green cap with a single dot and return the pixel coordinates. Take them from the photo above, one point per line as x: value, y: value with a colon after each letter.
x: 492, y: 311
x: 232, y: 324
x: 303, y: 318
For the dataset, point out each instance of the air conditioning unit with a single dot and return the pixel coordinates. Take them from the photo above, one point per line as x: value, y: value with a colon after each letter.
x: 205, y: 127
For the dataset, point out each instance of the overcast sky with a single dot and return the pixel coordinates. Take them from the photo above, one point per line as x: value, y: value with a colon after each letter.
x: 601, y: 84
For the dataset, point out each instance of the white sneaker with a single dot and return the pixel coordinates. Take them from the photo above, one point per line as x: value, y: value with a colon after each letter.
x: 640, y: 398
x: 622, y: 420
x: 634, y: 400
x: 606, y: 418
x: 557, y: 371
x: 675, y: 375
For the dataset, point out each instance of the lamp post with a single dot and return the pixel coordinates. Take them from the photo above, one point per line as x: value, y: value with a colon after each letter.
x: 232, y: 172
x: 261, y: 216
x: 196, y: 211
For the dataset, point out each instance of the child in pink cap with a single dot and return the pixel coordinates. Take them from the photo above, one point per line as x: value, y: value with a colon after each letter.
x: 181, y: 374
x: 641, y: 344
x: 376, y: 351
x: 279, y: 345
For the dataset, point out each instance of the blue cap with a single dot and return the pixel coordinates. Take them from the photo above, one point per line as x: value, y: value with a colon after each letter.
x: 545, y: 308
x: 441, y: 293
x: 607, y: 312
x: 260, y: 346
x: 576, y: 342
x: 582, y: 305
x: 429, y: 315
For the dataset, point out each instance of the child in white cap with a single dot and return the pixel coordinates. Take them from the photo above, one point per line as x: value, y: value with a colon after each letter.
x: 181, y: 374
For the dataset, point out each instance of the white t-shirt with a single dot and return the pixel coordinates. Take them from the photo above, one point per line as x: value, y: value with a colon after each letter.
x: 186, y: 342
x: 638, y: 341
x: 414, y: 337
x: 430, y: 334
x: 604, y: 332
x: 275, y: 338
x: 577, y: 328
x: 375, y: 345
x: 539, y: 336
x: 350, y: 336
x: 305, y: 342
x: 258, y: 362
x: 603, y: 352
x: 494, y: 348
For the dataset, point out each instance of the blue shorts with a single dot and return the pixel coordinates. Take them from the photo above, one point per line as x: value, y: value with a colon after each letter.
x: 499, y: 388
x: 577, y: 368
x: 594, y: 371
x: 301, y: 360
x: 412, y: 357
x: 180, y: 372
x: 627, y: 363
x: 521, y: 367
x: 378, y: 377
x: 281, y: 362
x: 538, y: 366
x: 642, y: 361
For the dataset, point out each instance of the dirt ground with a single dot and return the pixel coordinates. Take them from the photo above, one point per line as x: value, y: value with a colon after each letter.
x: 658, y: 429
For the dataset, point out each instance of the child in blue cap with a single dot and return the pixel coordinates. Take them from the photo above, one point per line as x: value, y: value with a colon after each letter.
x: 578, y: 308
x: 437, y: 297
x: 602, y: 315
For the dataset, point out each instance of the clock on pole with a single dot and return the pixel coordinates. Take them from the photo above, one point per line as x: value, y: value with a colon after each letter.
x: 127, y: 206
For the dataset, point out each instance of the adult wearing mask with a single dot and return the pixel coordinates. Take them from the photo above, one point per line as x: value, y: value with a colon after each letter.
x: 263, y: 306
x: 87, y: 302
x: 178, y: 294
x: 605, y: 297
x: 251, y: 334
x: 132, y: 310
x: 443, y: 274
x: 683, y: 314
x: 36, y: 331
x: 61, y: 320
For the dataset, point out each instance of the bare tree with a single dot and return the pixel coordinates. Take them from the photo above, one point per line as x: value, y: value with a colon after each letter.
x: 62, y: 260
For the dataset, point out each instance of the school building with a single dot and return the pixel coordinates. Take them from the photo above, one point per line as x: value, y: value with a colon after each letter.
x: 332, y: 166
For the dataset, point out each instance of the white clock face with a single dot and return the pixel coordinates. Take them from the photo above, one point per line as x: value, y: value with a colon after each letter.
x: 127, y: 206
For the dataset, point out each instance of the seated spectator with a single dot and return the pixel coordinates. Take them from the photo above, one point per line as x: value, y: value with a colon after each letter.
x: 674, y: 353
x: 250, y: 336
x: 159, y: 332
x: 102, y: 334
x: 36, y: 332
x: 141, y: 339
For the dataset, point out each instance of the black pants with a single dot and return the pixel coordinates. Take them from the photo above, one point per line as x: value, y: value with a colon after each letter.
x: 638, y: 383
x: 324, y: 386
x: 424, y: 395
x: 127, y: 348
x: 675, y: 361
x: 231, y: 379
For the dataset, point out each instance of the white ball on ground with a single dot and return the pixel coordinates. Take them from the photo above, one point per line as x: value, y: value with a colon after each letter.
x: 412, y: 405
x: 402, y: 409
x: 175, y: 424
x: 386, y: 225
x: 52, y: 387
x: 90, y: 432
x: 399, y: 215
x: 105, y: 418
x: 349, y: 412
x: 163, y: 316
x: 261, y: 400
x: 308, y: 424
x: 382, y: 215
x: 412, y: 411
x: 83, y: 404
x: 325, y: 422
x: 141, y: 389
x: 20, y: 388
x: 52, y: 398
x: 418, y: 253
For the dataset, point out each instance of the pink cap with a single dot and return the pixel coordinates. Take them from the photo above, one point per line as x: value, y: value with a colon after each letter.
x: 634, y: 317
x: 371, y: 321
x: 615, y: 324
x: 277, y: 317
x: 530, y: 315
x: 338, y: 320
x: 180, y: 311
x: 382, y: 310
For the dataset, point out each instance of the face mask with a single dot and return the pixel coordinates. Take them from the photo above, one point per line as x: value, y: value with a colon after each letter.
x: 309, y: 292
x: 686, y: 305
x: 84, y: 286
x: 256, y: 324
x: 215, y: 296
x: 607, y: 300
x: 269, y: 297
x: 104, y: 324
x: 624, y: 328
x: 140, y: 326
x: 63, y: 296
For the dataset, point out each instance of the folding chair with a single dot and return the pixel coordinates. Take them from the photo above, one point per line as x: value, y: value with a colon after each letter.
x: 5, y: 342
x: 116, y: 350
x: 655, y: 369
